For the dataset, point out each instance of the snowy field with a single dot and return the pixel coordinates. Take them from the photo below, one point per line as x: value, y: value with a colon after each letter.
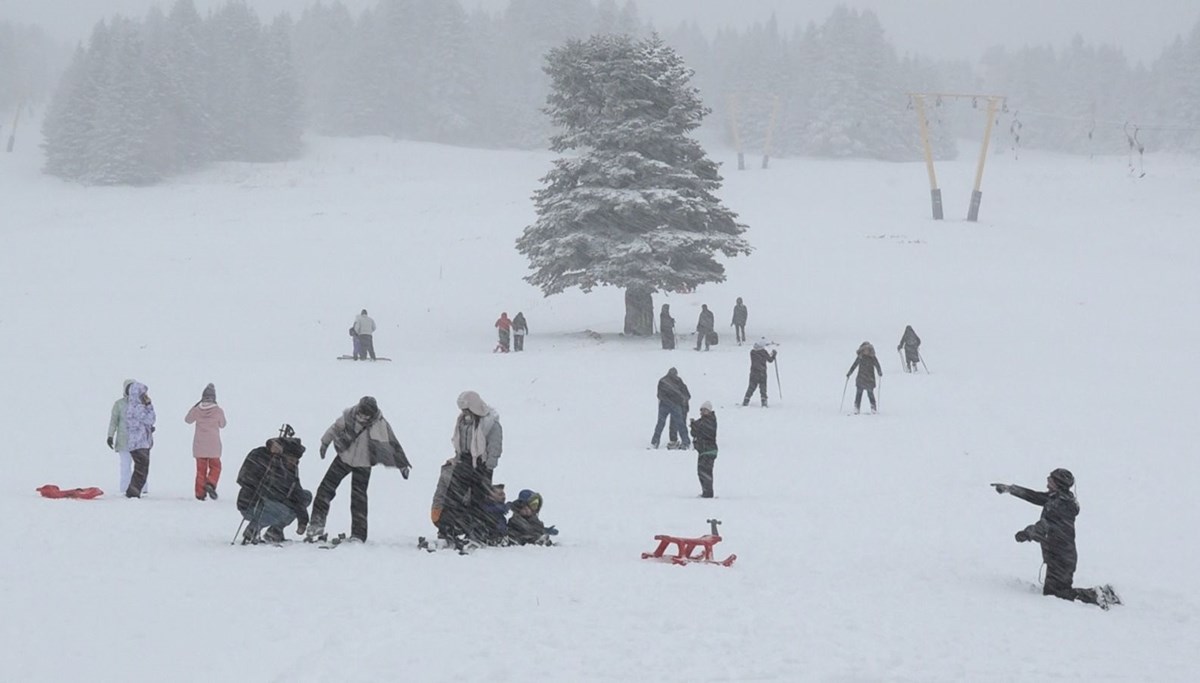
x: 1058, y: 331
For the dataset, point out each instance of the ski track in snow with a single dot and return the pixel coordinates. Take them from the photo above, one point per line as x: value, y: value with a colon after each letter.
x: 1058, y: 332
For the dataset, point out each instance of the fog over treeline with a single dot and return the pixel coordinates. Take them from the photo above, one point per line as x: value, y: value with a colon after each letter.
x: 146, y: 98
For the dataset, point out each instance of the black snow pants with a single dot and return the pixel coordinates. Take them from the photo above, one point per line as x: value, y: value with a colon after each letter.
x: 141, y: 470
x: 1060, y: 572
x: 360, y: 477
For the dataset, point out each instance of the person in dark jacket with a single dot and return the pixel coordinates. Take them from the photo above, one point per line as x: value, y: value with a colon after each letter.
x: 666, y: 327
x: 739, y: 320
x: 520, y: 328
x: 673, y: 396
x: 1055, y: 531
x: 911, y: 344
x: 704, y: 327
x: 270, y: 495
x: 704, y: 436
x: 867, y: 365
x: 759, y: 357
x: 525, y: 526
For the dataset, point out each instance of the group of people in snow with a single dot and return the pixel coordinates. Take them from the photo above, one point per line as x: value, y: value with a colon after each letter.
x: 131, y: 427
x: 706, y: 334
x: 514, y: 330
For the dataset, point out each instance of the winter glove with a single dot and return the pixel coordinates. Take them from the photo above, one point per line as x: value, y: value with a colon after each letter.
x: 152, y: 430
x: 1022, y: 536
x: 301, y: 527
x: 551, y: 531
x: 404, y: 472
x: 109, y: 442
x: 1000, y: 488
x: 324, y: 447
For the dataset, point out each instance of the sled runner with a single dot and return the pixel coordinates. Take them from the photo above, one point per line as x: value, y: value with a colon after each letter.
x: 690, y: 549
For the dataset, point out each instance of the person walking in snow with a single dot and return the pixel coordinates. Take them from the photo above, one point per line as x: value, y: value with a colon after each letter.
x: 911, y: 344
x: 361, y: 438
x: 118, y: 439
x: 673, y: 397
x: 867, y: 365
x: 519, y: 329
x: 209, y: 419
x: 1055, y: 532
x: 271, y: 496
x: 504, y: 327
x: 739, y: 320
x: 704, y: 327
x: 364, y: 330
x: 704, y: 436
x: 759, y: 357
x: 666, y: 327
x: 139, y: 430
x: 478, y: 443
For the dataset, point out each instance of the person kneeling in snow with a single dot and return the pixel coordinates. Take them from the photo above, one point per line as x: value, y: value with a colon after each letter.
x: 271, y: 496
x: 525, y: 526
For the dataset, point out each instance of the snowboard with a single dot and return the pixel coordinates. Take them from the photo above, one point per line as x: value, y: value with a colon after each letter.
x: 1106, y: 596
x: 368, y: 360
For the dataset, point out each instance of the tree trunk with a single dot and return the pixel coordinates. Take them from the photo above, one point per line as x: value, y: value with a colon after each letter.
x: 639, y: 312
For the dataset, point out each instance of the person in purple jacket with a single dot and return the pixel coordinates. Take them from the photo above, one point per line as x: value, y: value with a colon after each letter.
x: 139, y: 429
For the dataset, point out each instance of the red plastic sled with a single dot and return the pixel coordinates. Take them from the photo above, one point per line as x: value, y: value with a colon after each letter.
x: 52, y: 491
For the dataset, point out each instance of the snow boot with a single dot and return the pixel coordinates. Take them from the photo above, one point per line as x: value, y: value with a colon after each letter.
x: 273, y: 534
x: 211, y: 490
x: 315, y: 532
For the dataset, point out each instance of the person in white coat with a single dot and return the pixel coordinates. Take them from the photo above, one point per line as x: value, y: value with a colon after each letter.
x: 364, y: 329
x: 478, y: 442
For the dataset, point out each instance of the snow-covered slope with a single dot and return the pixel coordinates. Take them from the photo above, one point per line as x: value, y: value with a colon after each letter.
x: 1058, y: 331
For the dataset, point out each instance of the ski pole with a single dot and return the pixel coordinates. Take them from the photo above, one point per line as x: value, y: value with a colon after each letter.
x: 879, y: 395
x: 778, y: 384
x: 844, y: 386
x: 902, y: 362
x: 922, y: 357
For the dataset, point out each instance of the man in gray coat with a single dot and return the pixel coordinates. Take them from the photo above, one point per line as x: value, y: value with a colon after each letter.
x: 362, y: 438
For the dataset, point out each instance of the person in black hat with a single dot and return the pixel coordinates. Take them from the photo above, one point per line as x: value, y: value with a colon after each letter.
x: 1055, y: 531
x: 362, y: 438
x: 271, y: 496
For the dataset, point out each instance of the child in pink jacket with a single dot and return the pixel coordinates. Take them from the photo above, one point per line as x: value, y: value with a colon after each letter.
x: 206, y: 445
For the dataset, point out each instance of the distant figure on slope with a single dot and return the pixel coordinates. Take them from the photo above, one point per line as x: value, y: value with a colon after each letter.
x: 739, y: 320
x: 504, y: 326
x: 271, y: 496
x: 704, y: 327
x: 666, y: 327
x: 1055, y: 531
x: 362, y: 438
x: 867, y: 365
x: 478, y: 443
x: 209, y: 419
x: 704, y: 436
x: 357, y: 349
x: 911, y: 344
x: 364, y: 328
x: 673, y: 397
x: 139, y: 428
x: 519, y: 329
x: 525, y: 526
x: 759, y: 357
x: 118, y: 438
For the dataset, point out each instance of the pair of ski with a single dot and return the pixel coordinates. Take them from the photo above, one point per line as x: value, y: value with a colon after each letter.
x: 1106, y: 596
x: 326, y: 542
x: 461, y: 546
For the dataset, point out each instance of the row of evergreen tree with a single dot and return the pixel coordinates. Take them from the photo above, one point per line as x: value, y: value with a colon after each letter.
x: 144, y: 100
x: 147, y: 99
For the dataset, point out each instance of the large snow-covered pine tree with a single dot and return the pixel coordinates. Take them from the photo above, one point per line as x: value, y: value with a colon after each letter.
x: 635, y: 207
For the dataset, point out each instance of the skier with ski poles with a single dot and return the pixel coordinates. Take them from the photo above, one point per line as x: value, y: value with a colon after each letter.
x: 759, y: 357
x: 911, y: 344
x: 867, y: 365
x: 1055, y: 532
x: 271, y: 496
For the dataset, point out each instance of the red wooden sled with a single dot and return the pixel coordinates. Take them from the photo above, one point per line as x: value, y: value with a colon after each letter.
x: 52, y: 491
x: 689, y: 550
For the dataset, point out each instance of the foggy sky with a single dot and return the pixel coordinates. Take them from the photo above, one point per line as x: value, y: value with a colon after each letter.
x: 959, y: 29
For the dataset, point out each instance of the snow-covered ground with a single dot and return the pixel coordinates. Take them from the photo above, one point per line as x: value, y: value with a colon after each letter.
x: 1058, y: 331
